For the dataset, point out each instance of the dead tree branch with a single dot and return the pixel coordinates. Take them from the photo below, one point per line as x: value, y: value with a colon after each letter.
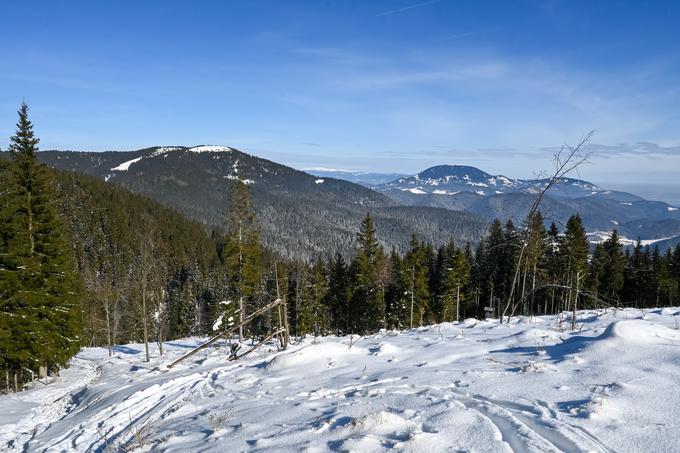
x: 568, y: 159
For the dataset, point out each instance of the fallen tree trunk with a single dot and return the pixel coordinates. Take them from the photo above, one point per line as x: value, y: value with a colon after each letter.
x: 252, y: 316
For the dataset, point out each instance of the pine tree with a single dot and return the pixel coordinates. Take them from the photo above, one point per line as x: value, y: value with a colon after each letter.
x: 397, y: 295
x: 534, y: 262
x: 553, y: 265
x: 492, y: 264
x: 242, y: 251
x: 39, y: 288
x: 319, y: 290
x: 338, y: 295
x: 455, y: 283
x: 609, y: 263
x: 367, y: 307
x: 634, y: 273
x: 573, y: 249
x: 416, y: 269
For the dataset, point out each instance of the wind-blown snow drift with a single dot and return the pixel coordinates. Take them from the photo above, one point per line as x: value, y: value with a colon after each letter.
x: 477, y: 386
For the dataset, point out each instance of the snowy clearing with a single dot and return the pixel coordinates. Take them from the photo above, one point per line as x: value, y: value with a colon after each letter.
x: 473, y: 386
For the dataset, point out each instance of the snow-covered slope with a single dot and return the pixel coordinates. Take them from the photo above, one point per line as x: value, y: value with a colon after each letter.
x: 470, y: 386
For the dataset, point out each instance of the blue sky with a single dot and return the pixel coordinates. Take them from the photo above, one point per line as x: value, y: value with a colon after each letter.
x: 369, y: 85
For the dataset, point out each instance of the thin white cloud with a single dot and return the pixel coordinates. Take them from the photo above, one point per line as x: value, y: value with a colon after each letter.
x: 406, y: 8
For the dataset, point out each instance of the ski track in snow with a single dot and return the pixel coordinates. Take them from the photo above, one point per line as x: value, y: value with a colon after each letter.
x: 469, y: 386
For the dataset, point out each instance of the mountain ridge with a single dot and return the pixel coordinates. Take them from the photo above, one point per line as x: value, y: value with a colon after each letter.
x: 470, y: 189
x: 301, y: 215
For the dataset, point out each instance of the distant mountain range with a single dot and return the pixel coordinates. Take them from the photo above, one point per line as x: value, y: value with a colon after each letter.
x: 302, y: 216
x: 367, y: 179
x: 307, y: 215
x: 470, y: 189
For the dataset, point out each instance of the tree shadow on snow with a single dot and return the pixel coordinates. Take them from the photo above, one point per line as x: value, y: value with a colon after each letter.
x: 556, y: 353
x: 127, y: 350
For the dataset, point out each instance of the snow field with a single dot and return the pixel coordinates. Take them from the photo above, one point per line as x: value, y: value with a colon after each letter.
x: 476, y: 385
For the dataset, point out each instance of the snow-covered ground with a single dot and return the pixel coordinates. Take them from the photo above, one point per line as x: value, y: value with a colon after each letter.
x: 531, y: 385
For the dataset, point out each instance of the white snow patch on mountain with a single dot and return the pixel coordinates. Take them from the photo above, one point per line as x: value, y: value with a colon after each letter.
x: 126, y: 165
x: 415, y: 190
x: 166, y: 149
x: 209, y: 149
x: 671, y: 209
x: 319, y: 181
x: 529, y: 385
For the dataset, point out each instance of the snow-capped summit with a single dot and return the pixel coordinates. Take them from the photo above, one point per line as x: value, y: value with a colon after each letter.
x: 453, y: 179
x: 210, y: 149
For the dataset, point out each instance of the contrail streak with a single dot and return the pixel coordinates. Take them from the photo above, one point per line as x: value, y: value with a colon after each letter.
x: 406, y: 8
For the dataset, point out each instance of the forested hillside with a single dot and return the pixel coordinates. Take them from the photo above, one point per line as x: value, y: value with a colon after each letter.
x: 123, y: 242
x: 301, y: 216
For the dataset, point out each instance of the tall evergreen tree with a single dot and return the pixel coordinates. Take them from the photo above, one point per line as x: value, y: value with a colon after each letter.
x: 573, y: 249
x: 338, y: 295
x: 242, y: 251
x: 455, y: 283
x: 553, y: 266
x: 39, y: 287
x: 417, y: 273
x: 608, y: 264
x: 367, y: 308
x: 397, y: 295
x: 534, y: 262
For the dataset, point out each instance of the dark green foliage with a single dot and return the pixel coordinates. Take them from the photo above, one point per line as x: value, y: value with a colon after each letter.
x: 40, y: 291
x: 608, y: 266
x: 455, y: 282
x: 299, y: 218
x: 110, y: 227
x: 241, y: 252
x: 338, y: 295
x: 367, y: 305
x: 416, y: 278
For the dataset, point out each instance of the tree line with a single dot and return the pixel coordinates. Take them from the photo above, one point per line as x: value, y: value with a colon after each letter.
x: 558, y: 272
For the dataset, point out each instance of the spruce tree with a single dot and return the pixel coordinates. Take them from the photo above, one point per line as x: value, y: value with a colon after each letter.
x: 40, y: 289
x: 574, y: 248
x: 367, y: 308
x: 553, y: 266
x: 338, y: 295
x: 416, y: 270
x: 492, y: 264
x: 397, y: 296
x: 608, y: 261
x: 455, y: 283
x: 534, y: 261
x: 242, y: 251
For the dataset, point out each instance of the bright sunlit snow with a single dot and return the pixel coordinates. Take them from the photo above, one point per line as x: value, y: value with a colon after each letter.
x: 474, y: 386
x: 209, y: 149
x: 126, y: 165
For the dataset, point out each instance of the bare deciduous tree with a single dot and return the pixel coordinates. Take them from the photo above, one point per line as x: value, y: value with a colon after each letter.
x: 567, y: 160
